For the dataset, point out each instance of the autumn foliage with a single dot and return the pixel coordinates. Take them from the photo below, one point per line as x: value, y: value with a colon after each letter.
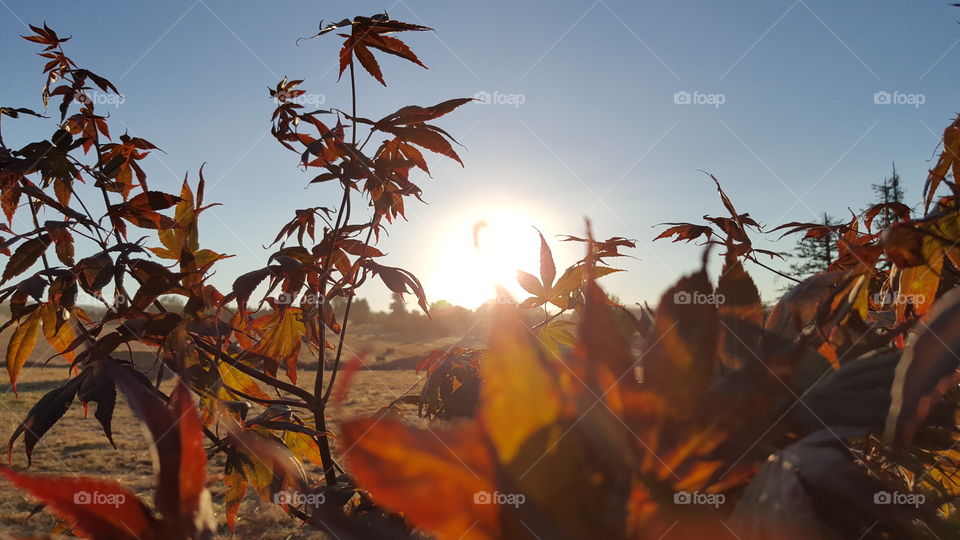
x: 594, y: 421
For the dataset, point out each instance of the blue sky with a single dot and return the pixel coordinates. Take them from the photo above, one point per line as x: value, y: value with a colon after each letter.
x: 598, y: 132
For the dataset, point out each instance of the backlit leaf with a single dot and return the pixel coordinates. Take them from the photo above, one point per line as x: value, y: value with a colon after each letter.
x: 681, y: 359
x: 519, y: 393
x: 22, y: 343
x: 25, y: 256
x: 99, y: 508
x: 281, y: 340
x: 432, y: 476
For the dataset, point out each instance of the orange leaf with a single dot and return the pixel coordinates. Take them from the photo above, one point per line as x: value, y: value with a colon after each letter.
x: 234, y: 493
x: 99, y: 508
x: 431, y: 476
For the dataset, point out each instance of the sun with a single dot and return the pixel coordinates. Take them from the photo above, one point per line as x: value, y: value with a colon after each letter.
x: 482, y: 250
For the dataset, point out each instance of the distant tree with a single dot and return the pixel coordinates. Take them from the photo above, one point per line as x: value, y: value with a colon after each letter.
x: 440, y: 305
x: 813, y: 255
x: 887, y: 191
x: 360, y: 310
x: 172, y: 302
x: 398, y: 307
x: 339, y: 305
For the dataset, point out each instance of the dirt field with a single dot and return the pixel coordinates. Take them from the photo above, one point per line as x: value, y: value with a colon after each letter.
x: 77, y: 444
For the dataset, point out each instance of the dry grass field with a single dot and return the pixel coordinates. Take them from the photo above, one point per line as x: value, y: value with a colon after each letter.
x: 77, y: 445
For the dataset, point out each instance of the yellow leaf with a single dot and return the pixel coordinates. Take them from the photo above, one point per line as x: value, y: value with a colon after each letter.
x: 303, y: 446
x: 206, y: 256
x: 520, y: 394
x: 265, y: 461
x: 22, y: 342
x: 164, y: 253
x: 259, y: 476
x: 59, y: 338
x: 281, y: 340
x: 570, y: 280
x: 238, y: 380
x: 555, y: 334
x: 918, y: 284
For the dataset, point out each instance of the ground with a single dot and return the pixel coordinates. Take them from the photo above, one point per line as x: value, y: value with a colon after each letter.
x: 77, y: 444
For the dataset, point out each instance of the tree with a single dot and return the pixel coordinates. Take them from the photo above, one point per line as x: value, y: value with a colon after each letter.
x: 888, y: 192
x: 814, y: 252
x: 360, y: 312
x: 359, y: 309
x: 398, y: 307
x: 70, y: 246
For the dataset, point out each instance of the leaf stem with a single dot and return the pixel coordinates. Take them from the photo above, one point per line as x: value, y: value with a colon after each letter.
x: 779, y: 273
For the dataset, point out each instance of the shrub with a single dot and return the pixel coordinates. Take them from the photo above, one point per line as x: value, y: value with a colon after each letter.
x: 831, y: 416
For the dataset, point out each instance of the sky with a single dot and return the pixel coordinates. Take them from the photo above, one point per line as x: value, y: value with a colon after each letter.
x: 603, y: 109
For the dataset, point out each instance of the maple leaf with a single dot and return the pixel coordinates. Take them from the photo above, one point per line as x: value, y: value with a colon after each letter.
x: 281, y: 338
x: 949, y: 161
x: 177, y: 443
x: 22, y: 342
x: 685, y: 232
x: 544, y: 428
x: 371, y: 33
x: 119, y: 164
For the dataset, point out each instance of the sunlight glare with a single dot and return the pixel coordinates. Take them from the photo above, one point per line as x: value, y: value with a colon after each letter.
x: 467, y: 275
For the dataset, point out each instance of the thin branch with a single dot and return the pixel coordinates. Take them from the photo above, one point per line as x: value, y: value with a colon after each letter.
x: 779, y: 273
